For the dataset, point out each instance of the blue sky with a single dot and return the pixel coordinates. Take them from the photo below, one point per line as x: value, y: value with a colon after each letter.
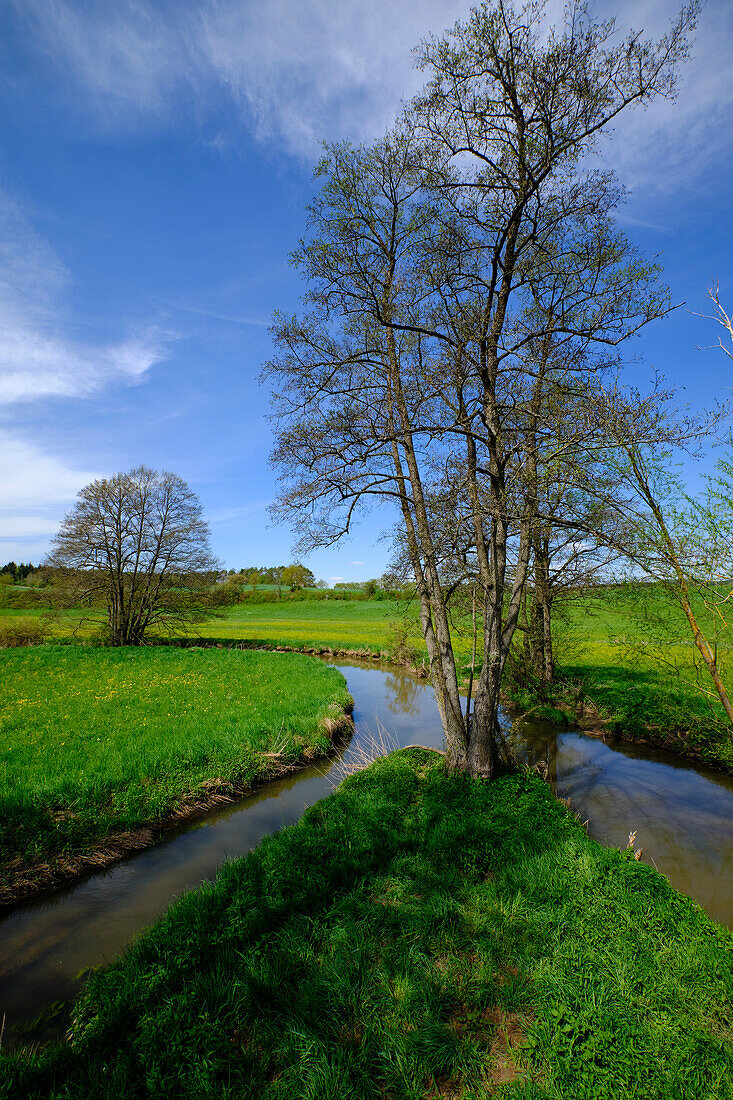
x: 155, y: 159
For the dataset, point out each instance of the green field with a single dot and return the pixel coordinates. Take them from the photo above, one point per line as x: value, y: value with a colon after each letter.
x: 335, y: 624
x: 634, y: 689
x: 93, y: 739
x: 642, y: 681
x: 414, y: 936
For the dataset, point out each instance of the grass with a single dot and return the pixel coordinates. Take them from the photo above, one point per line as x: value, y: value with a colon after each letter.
x: 337, y: 624
x: 639, y: 682
x: 605, y: 661
x: 94, y: 740
x: 414, y: 936
x: 321, y: 624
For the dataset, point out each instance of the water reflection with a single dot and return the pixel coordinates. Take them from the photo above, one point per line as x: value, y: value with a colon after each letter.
x: 683, y: 817
x: 402, y: 693
x: 682, y: 814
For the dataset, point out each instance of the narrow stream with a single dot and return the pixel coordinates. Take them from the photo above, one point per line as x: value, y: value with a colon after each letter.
x: 682, y: 814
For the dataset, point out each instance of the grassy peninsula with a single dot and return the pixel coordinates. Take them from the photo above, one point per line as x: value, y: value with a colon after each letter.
x: 413, y: 936
x: 94, y: 741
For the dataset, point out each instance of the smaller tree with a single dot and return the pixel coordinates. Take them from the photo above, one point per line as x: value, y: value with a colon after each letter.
x: 685, y: 545
x: 136, y: 544
x: 297, y: 576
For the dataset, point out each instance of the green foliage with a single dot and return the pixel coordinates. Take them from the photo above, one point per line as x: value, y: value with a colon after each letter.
x: 626, y: 664
x: 95, y: 739
x: 414, y: 936
x: 226, y: 594
x: 17, y: 573
x: 23, y: 633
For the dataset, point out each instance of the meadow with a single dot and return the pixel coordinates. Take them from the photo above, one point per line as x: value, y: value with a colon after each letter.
x: 414, y: 936
x: 94, y: 740
x: 633, y: 681
x: 636, y: 668
x: 333, y: 624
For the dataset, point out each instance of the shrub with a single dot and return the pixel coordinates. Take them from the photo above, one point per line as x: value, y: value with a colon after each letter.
x: 20, y: 634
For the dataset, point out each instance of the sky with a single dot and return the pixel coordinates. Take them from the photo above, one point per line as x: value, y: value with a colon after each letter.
x: 155, y: 160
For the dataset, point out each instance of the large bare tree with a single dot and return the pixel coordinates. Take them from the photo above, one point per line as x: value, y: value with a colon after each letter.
x: 449, y: 266
x: 138, y: 545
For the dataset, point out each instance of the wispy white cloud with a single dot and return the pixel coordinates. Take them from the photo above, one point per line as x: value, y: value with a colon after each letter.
x: 37, y: 358
x: 257, y: 322
x: 33, y: 477
x: 233, y: 515
x: 35, y: 489
x: 126, y: 55
x: 317, y: 70
x: 299, y: 73
x: 25, y: 526
x: 674, y: 143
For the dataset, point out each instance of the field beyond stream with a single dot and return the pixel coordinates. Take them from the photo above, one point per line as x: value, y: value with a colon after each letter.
x: 97, y: 742
x: 611, y: 675
x: 413, y: 936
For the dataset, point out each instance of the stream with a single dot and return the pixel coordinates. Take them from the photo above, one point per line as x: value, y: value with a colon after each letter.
x: 682, y: 815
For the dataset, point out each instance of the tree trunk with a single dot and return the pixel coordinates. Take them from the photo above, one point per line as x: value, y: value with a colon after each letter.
x: 482, y: 758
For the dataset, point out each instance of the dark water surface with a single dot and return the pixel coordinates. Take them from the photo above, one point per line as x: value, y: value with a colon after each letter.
x: 682, y: 814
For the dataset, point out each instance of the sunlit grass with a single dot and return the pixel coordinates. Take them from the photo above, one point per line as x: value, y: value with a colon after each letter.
x: 337, y: 624
x: 414, y: 936
x: 639, y: 687
x: 93, y: 739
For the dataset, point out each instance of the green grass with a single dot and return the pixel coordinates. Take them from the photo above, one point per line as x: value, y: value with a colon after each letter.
x: 96, y: 739
x: 642, y: 682
x: 414, y: 936
x: 633, y: 688
x: 334, y: 624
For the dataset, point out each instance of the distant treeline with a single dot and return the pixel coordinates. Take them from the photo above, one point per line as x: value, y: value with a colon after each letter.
x: 18, y: 573
x: 297, y: 576
x: 292, y: 584
x: 294, y: 575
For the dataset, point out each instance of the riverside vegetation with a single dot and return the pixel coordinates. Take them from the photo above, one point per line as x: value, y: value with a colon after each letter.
x: 97, y: 740
x: 415, y: 935
x: 610, y: 674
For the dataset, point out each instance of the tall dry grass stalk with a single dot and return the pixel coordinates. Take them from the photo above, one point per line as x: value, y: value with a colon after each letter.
x: 364, y: 750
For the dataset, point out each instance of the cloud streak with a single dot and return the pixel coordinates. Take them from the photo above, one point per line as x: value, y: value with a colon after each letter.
x: 33, y: 490
x: 38, y: 359
x: 299, y: 73
x: 674, y: 143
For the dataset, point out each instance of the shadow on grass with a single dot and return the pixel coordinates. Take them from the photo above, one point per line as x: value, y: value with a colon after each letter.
x: 415, y: 935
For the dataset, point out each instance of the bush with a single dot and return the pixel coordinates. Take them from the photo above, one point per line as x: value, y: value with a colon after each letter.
x: 20, y: 634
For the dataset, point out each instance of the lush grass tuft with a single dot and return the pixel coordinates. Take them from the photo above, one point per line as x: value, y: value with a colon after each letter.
x: 413, y: 936
x: 95, y: 739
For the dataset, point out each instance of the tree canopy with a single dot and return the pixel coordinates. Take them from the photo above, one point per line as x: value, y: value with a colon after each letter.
x: 468, y: 290
x: 138, y: 543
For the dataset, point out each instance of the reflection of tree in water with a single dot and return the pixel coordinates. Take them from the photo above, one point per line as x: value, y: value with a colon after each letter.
x: 532, y: 744
x: 401, y: 693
